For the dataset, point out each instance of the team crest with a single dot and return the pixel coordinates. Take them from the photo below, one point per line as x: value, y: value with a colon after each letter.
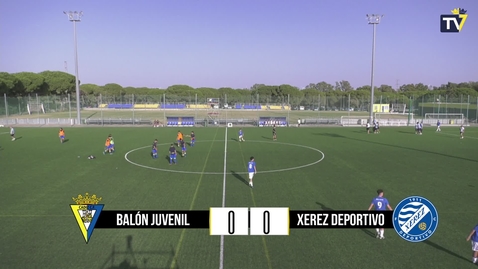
x: 415, y: 219
x: 86, y: 211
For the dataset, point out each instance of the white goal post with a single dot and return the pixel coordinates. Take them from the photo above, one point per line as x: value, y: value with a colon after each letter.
x: 445, y: 119
x: 35, y: 108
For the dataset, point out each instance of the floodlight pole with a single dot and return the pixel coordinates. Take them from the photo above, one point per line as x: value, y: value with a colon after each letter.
x: 373, y: 19
x: 75, y: 16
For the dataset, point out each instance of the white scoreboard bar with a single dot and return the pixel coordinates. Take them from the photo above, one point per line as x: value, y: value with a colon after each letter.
x: 229, y: 221
x: 269, y: 221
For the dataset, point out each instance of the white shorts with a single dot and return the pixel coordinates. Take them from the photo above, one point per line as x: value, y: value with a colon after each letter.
x: 251, y: 175
x: 240, y: 136
x: 474, y: 246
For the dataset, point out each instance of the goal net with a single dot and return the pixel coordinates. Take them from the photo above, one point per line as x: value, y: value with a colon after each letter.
x: 35, y: 108
x: 394, y: 119
x: 353, y: 121
x: 398, y: 108
x: 445, y: 118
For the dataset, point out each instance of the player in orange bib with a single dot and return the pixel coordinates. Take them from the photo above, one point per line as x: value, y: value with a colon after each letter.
x: 179, y: 138
x: 107, y: 145
x: 61, y: 134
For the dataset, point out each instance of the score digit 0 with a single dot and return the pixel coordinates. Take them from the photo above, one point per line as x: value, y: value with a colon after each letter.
x: 229, y: 221
x: 270, y: 221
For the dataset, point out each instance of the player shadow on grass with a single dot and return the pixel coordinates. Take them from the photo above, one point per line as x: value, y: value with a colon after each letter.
x: 403, y: 132
x: 325, y: 208
x: 127, y: 258
x: 395, y: 146
x: 66, y: 140
x: 243, y: 180
x: 18, y: 138
x: 449, y: 252
x: 235, y: 139
x: 265, y: 137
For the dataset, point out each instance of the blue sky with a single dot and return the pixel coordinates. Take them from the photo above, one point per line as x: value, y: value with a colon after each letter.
x: 238, y: 43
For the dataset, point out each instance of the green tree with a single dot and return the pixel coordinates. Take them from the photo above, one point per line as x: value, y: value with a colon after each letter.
x: 59, y: 82
x: 32, y: 83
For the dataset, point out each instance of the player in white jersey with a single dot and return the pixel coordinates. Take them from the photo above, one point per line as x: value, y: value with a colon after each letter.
x: 438, y: 126
x: 12, y: 133
x: 368, y: 127
x: 420, y: 128
x: 462, y: 132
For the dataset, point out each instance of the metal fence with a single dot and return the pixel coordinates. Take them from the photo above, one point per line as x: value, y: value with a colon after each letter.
x: 141, y: 109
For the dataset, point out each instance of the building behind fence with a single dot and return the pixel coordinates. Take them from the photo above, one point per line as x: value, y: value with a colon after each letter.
x: 149, y: 109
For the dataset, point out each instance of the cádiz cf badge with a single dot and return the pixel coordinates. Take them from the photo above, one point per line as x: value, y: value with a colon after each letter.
x: 86, y: 211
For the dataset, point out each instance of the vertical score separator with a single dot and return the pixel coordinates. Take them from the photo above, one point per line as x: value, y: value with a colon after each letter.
x: 269, y: 221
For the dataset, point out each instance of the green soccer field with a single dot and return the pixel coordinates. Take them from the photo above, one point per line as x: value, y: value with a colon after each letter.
x: 39, y: 177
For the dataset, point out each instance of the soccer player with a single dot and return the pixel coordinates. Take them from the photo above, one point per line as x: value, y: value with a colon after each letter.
x: 193, y: 139
x: 251, y: 168
x: 368, y: 127
x: 107, y: 145
x: 61, y: 134
x: 241, y: 135
x: 381, y: 204
x: 417, y: 127
x: 154, y: 152
x: 420, y: 128
x: 155, y: 144
x: 112, y: 145
x: 274, y: 133
x: 172, y: 154
x: 462, y: 132
x: 438, y: 126
x: 179, y: 138
x: 183, y: 148
x: 474, y: 243
x: 12, y: 133
x: 378, y: 127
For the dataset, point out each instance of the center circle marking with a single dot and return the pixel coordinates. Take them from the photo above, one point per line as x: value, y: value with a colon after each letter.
x: 222, y: 173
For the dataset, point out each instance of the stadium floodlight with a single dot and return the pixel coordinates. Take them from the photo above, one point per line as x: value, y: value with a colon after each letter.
x: 373, y: 19
x: 75, y: 16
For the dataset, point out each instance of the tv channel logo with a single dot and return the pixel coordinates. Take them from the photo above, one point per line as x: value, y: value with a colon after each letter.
x: 453, y: 23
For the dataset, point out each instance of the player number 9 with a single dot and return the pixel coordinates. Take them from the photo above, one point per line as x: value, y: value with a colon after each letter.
x: 231, y: 222
x: 379, y: 204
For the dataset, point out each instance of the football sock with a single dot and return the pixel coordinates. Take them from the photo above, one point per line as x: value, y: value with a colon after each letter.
x: 378, y: 231
x: 475, y: 260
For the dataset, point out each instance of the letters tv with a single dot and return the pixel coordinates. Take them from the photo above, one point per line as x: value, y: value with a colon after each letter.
x: 450, y: 23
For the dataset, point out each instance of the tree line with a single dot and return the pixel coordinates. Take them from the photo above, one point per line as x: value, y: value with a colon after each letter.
x: 61, y: 83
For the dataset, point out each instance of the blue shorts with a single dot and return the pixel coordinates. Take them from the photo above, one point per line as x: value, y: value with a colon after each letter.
x: 172, y: 156
x: 184, y: 149
x: 62, y: 137
x: 110, y: 146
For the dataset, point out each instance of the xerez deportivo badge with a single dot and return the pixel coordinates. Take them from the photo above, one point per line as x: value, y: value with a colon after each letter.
x: 415, y: 219
x: 86, y: 212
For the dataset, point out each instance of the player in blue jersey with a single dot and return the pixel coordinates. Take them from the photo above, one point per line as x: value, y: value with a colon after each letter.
x: 474, y: 243
x: 193, y: 139
x: 241, y: 135
x: 183, y: 148
x: 251, y: 168
x: 381, y: 204
x: 172, y: 154
x: 438, y: 126
x: 154, y: 152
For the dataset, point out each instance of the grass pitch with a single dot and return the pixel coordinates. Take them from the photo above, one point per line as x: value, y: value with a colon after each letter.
x: 39, y: 177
